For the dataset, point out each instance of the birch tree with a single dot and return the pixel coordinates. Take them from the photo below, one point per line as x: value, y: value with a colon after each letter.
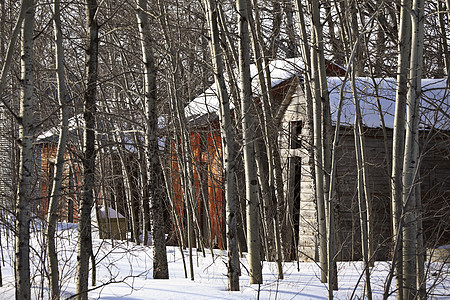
x: 24, y: 8
x: 248, y: 130
x: 266, y: 148
x: 24, y: 191
x: 319, y: 141
x: 361, y: 186
x: 411, y: 165
x: 306, y: 56
x: 263, y: 155
x: 52, y: 215
x: 182, y: 141
x: 404, y: 50
x: 226, y: 129
x: 160, y: 267
x: 88, y: 161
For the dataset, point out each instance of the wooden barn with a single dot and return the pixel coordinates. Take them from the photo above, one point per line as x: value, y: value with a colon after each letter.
x: 207, y: 170
x: 377, y: 98
x: 295, y: 140
x: 108, y: 190
x: 46, y: 145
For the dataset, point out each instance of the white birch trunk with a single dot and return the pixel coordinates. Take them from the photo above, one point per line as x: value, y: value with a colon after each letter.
x: 24, y: 8
x: 264, y: 161
x: 271, y: 200
x: 24, y: 191
x: 52, y: 215
x: 184, y: 158
x: 411, y: 157
x: 363, y: 214
x: 398, y: 134
x: 332, y: 191
x: 306, y: 55
x: 87, y: 192
x: 226, y: 129
x: 319, y: 138
x: 186, y: 174
x: 248, y: 125
x: 155, y: 193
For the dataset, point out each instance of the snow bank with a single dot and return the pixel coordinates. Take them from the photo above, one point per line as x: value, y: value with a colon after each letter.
x: 124, y: 271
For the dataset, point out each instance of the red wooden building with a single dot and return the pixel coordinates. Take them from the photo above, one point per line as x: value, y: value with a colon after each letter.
x: 205, y: 140
x: 71, y: 182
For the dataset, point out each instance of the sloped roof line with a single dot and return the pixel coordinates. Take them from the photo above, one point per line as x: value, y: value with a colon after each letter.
x: 435, y: 108
x: 74, y: 122
x: 208, y: 102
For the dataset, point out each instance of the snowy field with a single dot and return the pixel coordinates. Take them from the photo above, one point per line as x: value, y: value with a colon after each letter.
x: 124, y: 271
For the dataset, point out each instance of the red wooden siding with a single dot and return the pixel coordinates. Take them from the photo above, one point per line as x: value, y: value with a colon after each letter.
x: 206, y: 149
x: 71, y: 184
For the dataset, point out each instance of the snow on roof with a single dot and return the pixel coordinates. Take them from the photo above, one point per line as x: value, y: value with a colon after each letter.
x: 280, y: 70
x: 112, y: 213
x: 77, y: 122
x: 434, y: 105
x: 435, y: 109
x: 74, y: 123
x: 208, y: 102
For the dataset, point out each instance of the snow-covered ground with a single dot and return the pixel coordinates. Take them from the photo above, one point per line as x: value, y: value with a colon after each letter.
x: 124, y: 271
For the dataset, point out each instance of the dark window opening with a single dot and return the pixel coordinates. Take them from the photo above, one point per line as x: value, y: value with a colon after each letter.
x: 294, y: 198
x: 295, y: 134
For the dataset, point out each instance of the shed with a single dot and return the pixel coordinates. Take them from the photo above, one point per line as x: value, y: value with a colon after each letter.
x: 107, y: 223
x: 377, y: 97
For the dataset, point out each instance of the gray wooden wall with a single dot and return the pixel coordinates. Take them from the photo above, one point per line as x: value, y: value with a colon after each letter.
x: 434, y: 179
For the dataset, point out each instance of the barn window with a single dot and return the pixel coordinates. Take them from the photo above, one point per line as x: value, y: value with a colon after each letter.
x: 295, y: 133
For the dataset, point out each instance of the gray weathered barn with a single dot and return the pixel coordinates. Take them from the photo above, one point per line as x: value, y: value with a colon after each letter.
x: 377, y: 99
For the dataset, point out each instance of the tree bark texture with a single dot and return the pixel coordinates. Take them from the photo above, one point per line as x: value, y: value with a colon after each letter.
x: 24, y: 191
x: 263, y: 155
x: 411, y: 158
x: 226, y: 129
x: 24, y: 9
x: 248, y: 130
x: 55, y: 196
x: 363, y: 213
x: 155, y: 182
x: 88, y: 160
x: 399, y: 132
x: 318, y: 140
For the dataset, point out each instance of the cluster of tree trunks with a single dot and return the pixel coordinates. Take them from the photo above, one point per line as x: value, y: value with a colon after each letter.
x: 161, y: 73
